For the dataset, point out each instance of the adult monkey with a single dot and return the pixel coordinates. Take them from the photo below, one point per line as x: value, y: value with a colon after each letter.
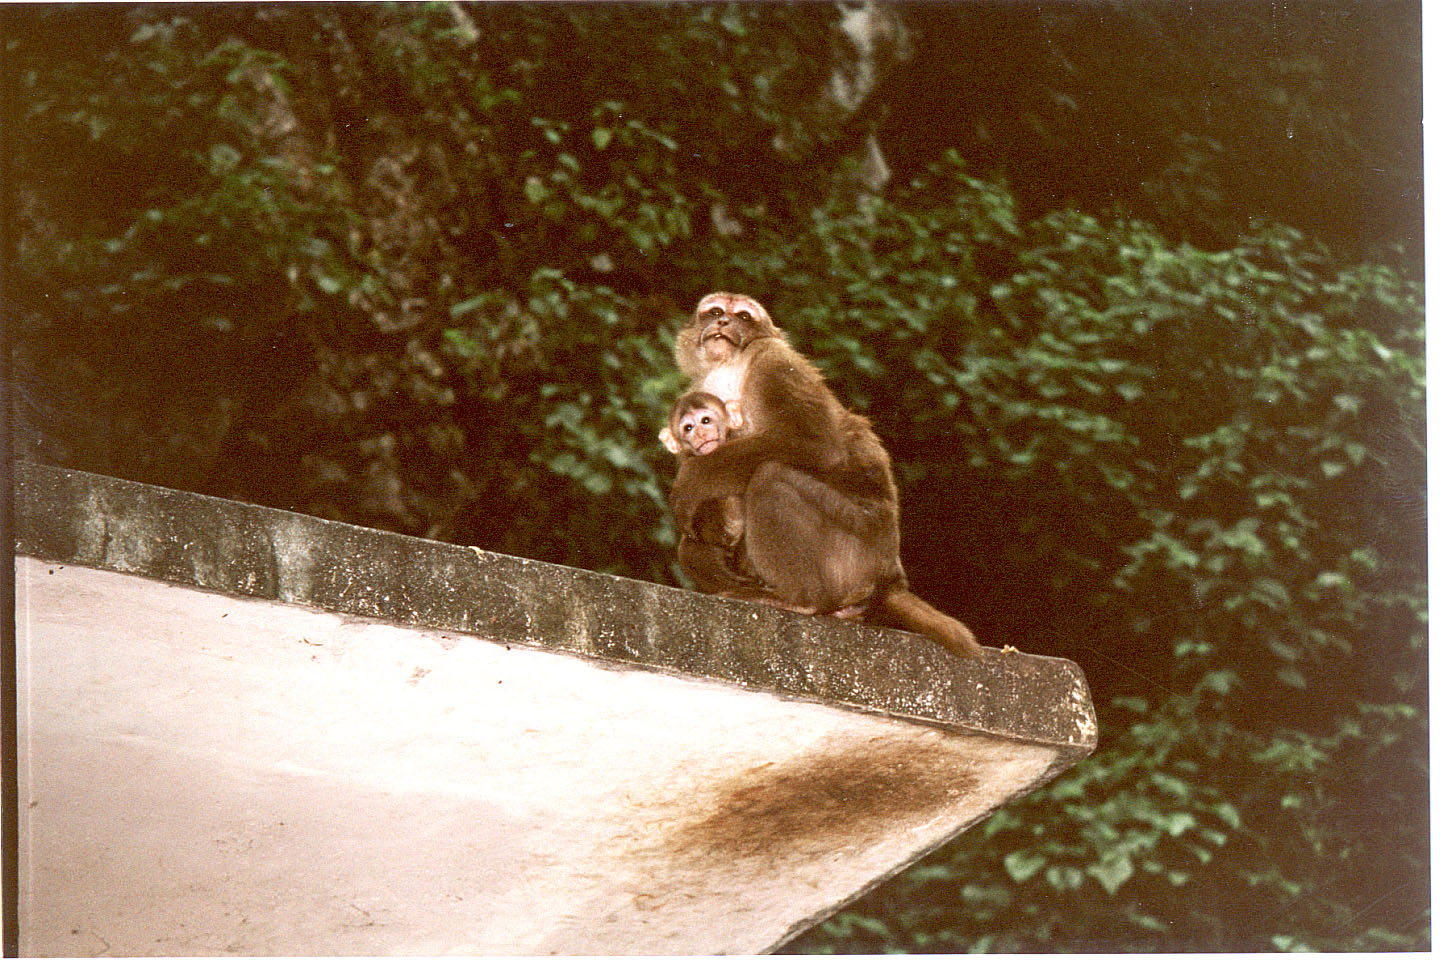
x: 821, y: 511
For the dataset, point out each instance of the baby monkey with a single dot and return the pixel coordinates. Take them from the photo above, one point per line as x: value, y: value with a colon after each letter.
x: 700, y: 423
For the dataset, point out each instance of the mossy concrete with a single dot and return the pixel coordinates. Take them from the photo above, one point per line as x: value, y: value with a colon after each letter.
x: 247, y: 550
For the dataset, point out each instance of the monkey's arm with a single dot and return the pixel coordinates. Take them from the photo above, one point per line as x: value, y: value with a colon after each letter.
x: 792, y: 417
x: 727, y: 471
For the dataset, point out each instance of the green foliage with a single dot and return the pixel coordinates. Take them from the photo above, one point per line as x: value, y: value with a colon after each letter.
x: 424, y: 245
x: 1208, y: 453
x: 416, y: 266
x: 1306, y: 131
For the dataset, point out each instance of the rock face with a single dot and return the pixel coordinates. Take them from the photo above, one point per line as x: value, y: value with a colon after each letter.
x: 328, y: 739
x: 876, y: 42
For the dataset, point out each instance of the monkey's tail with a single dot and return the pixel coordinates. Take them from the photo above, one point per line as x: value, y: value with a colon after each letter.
x: 915, y: 614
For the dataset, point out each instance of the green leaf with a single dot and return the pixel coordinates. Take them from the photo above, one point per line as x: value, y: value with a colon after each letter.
x: 1177, y: 823
x: 458, y: 310
x: 1291, y: 943
x: 224, y: 158
x: 1064, y: 878
x: 327, y: 283
x: 1022, y: 865
x: 1112, y: 872
x: 1291, y: 677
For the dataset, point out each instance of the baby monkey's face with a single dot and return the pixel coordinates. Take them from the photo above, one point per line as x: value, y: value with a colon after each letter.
x: 702, y: 430
x: 700, y: 423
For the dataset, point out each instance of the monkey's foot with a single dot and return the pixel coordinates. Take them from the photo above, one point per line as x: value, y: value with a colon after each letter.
x: 773, y: 601
x: 1008, y: 649
x: 478, y: 551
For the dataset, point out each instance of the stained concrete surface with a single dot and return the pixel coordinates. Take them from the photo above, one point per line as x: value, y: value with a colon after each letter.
x: 208, y: 770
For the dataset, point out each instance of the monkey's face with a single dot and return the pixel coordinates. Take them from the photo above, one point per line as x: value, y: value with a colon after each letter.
x: 701, y: 430
x: 723, y: 325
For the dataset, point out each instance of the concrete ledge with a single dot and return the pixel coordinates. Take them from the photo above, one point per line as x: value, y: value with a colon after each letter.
x: 246, y: 550
x: 249, y: 731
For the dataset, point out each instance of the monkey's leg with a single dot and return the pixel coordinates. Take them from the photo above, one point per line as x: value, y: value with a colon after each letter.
x: 865, y: 517
x: 801, y: 538
x: 732, y: 514
x: 844, y: 613
x: 719, y: 569
x: 719, y: 521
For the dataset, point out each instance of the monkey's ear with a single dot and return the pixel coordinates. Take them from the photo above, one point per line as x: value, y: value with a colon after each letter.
x: 668, y: 438
x: 732, y: 413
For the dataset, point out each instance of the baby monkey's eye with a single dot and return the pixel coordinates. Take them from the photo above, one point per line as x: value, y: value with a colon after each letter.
x: 715, y: 312
x: 744, y: 315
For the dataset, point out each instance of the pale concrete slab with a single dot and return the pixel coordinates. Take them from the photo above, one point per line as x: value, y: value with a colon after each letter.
x: 251, y: 731
x: 206, y: 774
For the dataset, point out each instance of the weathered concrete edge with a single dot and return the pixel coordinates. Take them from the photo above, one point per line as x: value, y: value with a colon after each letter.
x: 251, y: 551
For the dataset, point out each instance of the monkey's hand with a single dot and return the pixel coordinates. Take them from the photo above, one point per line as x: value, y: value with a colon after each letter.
x: 689, y: 513
x: 702, y: 522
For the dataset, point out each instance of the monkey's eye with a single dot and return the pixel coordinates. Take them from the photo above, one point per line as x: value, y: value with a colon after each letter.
x: 707, y: 419
x: 744, y: 315
x: 715, y: 312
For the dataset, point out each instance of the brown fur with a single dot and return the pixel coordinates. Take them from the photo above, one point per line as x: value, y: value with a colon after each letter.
x: 821, y: 511
x: 698, y: 420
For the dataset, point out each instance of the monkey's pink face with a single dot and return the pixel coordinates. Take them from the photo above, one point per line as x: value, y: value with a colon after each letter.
x: 730, y: 322
x: 702, y: 430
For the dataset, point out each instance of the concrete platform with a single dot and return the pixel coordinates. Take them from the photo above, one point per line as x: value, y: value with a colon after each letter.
x: 247, y: 731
